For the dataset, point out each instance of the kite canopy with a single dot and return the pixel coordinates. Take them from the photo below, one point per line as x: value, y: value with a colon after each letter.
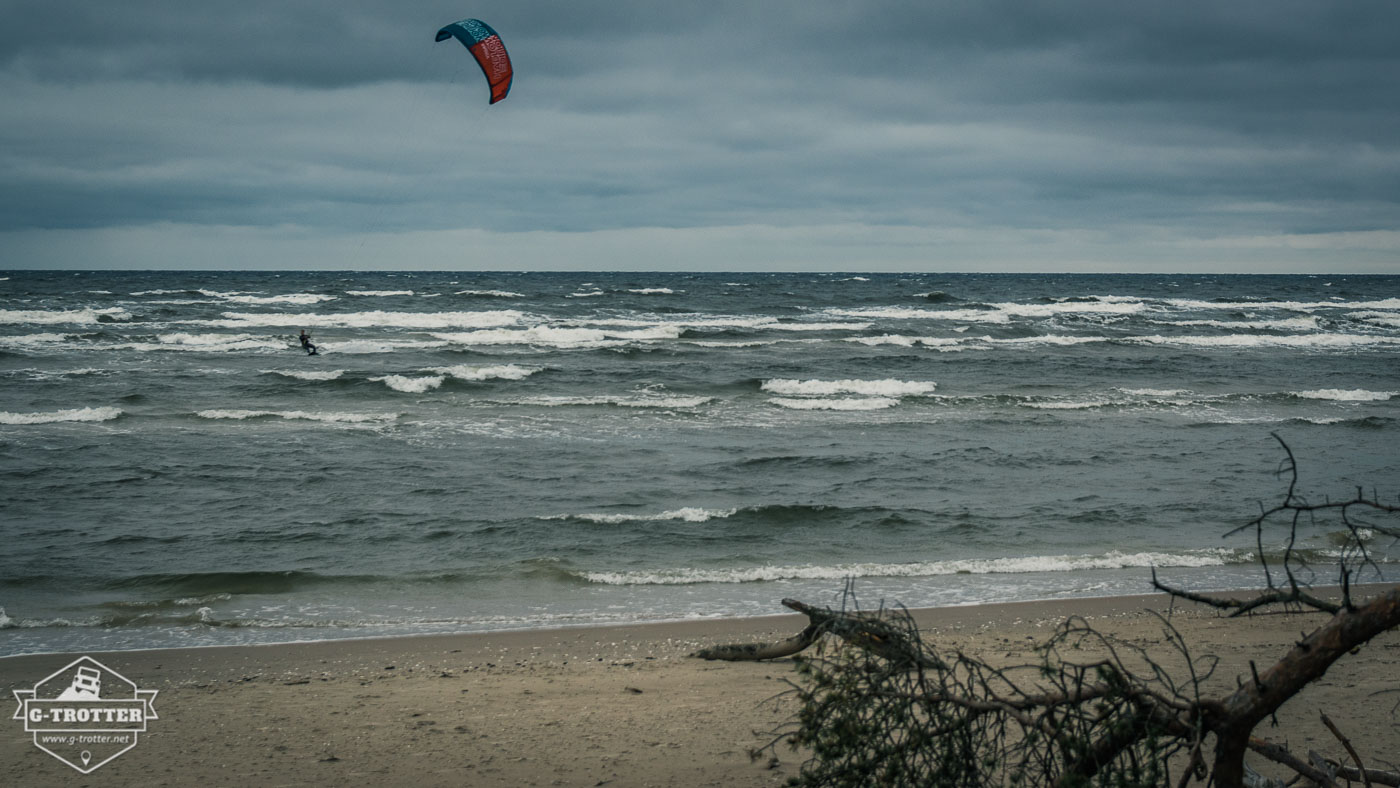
x: 486, y: 47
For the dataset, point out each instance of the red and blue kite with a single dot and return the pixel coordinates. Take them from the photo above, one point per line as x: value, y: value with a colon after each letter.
x: 486, y: 47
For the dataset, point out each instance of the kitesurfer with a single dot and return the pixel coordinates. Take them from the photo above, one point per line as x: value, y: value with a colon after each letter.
x: 306, y: 343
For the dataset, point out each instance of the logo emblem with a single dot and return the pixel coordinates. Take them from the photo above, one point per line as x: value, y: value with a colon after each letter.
x: 85, y: 714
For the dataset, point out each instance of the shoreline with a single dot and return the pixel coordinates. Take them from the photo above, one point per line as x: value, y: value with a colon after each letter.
x: 615, y: 704
x: 699, y: 623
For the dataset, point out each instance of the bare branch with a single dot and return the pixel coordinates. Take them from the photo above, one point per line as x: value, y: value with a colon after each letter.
x: 1346, y: 744
x: 883, y: 707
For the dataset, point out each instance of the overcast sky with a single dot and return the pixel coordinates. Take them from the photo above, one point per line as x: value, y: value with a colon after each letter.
x: 1075, y: 135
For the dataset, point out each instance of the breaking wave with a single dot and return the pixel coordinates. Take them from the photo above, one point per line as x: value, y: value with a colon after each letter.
x: 297, y: 299
x: 888, y: 387
x: 687, y: 514
x: 491, y: 293
x: 410, y: 385
x: 1352, y: 395
x: 836, y: 403
x: 334, y: 374
x: 1019, y: 565
x: 494, y: 372
x: 373, y: 319
x: 346, y: 418
x: 51, y: 417
x: 52, y: 317
x: 636, y: 401
x: 547, y: 336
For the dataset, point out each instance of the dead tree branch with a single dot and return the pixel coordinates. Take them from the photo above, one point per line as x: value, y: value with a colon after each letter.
x: 886, y: 708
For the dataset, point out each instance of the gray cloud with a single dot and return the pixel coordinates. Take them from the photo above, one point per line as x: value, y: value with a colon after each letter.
x: 1108, y: 125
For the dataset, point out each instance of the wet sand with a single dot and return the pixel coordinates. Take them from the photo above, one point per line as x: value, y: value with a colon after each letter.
x: 615, y: 706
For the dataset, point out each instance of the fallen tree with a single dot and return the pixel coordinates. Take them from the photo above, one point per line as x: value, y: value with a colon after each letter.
x: 887, y: 708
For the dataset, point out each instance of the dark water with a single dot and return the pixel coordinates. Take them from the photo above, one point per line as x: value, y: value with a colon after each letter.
x: 473, y: 452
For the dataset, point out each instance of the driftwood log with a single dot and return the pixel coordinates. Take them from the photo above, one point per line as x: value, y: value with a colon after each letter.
x: 870, y: 631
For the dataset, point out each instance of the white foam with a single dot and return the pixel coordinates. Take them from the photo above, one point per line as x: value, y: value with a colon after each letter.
x: 620, y: 401
x: 654, y: 291
x: 211, y: 340
x: 839, y: 403
x: 735, y: 343
x: 1070, y: 404
x: 349, y: 418
x: 905, y: 313
x: 902, y: 340
x: 1016, y: 565
x: 491, y: 293
x: 689, y: 514
x: 374, y: 293
x: 1377, y: 318
x: 1000, y: 313
x: 1299, y: 306
x: 1344, y: 395
x: 1304, y: 341
x: 714, y: 321
x: 948, y: 344
x: 333, y: 374
x: 1100, y: 305
x: 203, y: 343
x: 377, y: 318
x: 50, y: 417
x: 51, y: 317
x: 496, y: 372
x: 1286, y: 324
x: 27, y: 340
x: 549, y: 336
x: 1156, y: 392
x: 299, y: 299
x: 888, y: 387
x: 1049, y: 339
x: 371, y: 346
x: 42, y: 623
x: 816, y: 326
x: 410, y: 385
x: 588, y: 294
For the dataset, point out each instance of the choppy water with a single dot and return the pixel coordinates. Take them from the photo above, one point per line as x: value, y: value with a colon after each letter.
x: 473, y: 452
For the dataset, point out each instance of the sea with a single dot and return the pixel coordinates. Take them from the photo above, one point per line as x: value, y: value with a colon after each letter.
x: 472, y: 452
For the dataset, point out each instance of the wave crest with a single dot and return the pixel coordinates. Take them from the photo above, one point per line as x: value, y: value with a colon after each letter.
x: 888, y: 387
x: 51, y: 417
x: 1018, y: 565
x: 346, y: 418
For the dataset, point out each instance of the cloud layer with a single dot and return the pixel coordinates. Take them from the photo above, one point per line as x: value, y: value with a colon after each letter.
x: 984, y: 135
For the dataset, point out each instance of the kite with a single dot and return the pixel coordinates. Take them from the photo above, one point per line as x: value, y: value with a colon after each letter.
x: 485, y: 45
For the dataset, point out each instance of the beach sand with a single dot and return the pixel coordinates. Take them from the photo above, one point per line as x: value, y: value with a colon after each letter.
x: 615, y: 706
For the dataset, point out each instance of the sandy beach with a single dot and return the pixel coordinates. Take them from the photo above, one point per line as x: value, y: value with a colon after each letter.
x: 622, y: 706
